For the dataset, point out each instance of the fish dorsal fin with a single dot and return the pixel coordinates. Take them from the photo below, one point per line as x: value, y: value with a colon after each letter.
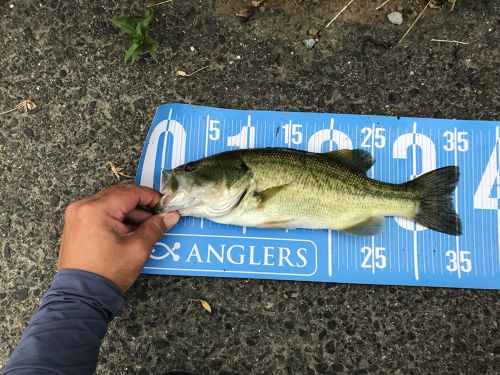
x: 358, y: 159
x: 368, y: 227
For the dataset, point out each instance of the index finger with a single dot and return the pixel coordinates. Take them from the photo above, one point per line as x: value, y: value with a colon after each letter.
x: 121, y: 199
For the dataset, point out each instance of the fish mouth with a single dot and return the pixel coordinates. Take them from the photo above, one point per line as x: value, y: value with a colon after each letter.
x: 175, y: 202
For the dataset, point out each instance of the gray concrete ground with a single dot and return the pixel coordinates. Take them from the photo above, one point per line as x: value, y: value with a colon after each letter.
x: 93, y: 108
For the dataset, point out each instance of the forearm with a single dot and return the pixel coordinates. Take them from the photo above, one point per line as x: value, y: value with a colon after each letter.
x: 65, y: 333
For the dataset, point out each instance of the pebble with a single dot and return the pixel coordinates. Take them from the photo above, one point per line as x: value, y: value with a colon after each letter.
x: 269, y: 305
x: 21, y: 294
x: 28, y: 132
x: 395, y: 18
x: 7, y: 252
x: 268, y: 313
x: 313, y: 31
x: 4, y: 222
x: 310, y: 42
x: 54, y: 200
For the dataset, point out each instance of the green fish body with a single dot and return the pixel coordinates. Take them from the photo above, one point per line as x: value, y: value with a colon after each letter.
x: 285, y: 188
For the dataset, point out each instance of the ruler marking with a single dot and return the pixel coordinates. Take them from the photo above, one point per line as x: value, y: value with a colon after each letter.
x: 423, y: 244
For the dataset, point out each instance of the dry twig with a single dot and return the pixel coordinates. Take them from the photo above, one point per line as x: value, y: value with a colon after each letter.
x: 381, y: 5
x: 206, y: 306
x: 449, y: 41
x: 182, y: 73
x: 414, y: 22
x: 117, y: 171
x: 25, y: 105
x: 161, y: 2
x: 300, y: 6
x: 453, y: 5
x: 339, y: 13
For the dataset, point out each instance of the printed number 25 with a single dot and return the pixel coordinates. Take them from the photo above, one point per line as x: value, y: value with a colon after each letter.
x: 375, y: 135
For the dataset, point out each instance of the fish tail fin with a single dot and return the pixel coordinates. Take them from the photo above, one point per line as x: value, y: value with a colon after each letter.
x: 435, y: 207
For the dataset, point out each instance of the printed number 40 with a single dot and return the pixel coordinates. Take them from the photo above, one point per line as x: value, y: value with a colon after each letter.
x: 458, y: 259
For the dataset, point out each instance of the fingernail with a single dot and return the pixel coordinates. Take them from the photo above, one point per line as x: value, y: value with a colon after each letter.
x: 170, y: 219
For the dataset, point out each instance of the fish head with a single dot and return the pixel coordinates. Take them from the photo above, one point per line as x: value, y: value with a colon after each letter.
x: 209, y: 187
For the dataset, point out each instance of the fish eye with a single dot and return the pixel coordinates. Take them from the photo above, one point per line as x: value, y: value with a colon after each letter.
x: 189, y: 167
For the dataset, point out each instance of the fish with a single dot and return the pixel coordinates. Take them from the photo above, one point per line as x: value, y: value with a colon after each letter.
x: 287, y: 188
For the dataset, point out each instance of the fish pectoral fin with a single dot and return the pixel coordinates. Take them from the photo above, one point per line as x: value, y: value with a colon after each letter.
x: 264, y: 195
x: 368, y: 227
x: 357, y: 159
x: 284, y: 224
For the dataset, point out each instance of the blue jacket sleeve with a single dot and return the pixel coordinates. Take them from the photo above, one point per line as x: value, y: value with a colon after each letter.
x: 65, y: 333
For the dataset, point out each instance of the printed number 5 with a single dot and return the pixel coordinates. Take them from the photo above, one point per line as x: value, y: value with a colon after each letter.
x: 458, y: 260
x: 214, y: 131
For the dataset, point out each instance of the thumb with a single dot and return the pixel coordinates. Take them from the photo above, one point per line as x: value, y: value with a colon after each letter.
x: 150, y: 231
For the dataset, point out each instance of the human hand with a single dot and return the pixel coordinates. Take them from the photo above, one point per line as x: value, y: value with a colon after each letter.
x: 111, y: 234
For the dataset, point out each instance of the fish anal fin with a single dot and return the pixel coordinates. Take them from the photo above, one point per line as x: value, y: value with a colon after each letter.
x: 368, y: 227
x: 264, y: 195
x: 283, y: 224
x: 361, y: 160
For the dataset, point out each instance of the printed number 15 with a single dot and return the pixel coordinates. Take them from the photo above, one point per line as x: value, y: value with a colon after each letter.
x: 293, y: 133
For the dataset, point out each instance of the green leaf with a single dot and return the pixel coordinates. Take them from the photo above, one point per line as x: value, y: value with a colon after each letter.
x: 135, y: 55
x: 134, y: 19
x: 149, y: 41
x: 151, y: 46
x: 133, y: 50
x: 137, y: 39
x: 148, y: 15
x: 121, y: 22
x: 139, y: 31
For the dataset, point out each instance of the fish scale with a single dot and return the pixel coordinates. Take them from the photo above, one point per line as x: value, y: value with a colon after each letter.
x: 285, y: 188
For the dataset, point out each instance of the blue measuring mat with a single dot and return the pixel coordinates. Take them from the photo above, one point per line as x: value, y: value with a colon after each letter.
x: 403, y: 254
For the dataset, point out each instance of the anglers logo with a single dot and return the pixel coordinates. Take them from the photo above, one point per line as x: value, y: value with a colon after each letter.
x: 167, y: 250
x: 235, y: 254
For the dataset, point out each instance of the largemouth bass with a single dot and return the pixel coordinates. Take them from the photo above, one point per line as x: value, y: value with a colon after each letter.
x: 285, y: 188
